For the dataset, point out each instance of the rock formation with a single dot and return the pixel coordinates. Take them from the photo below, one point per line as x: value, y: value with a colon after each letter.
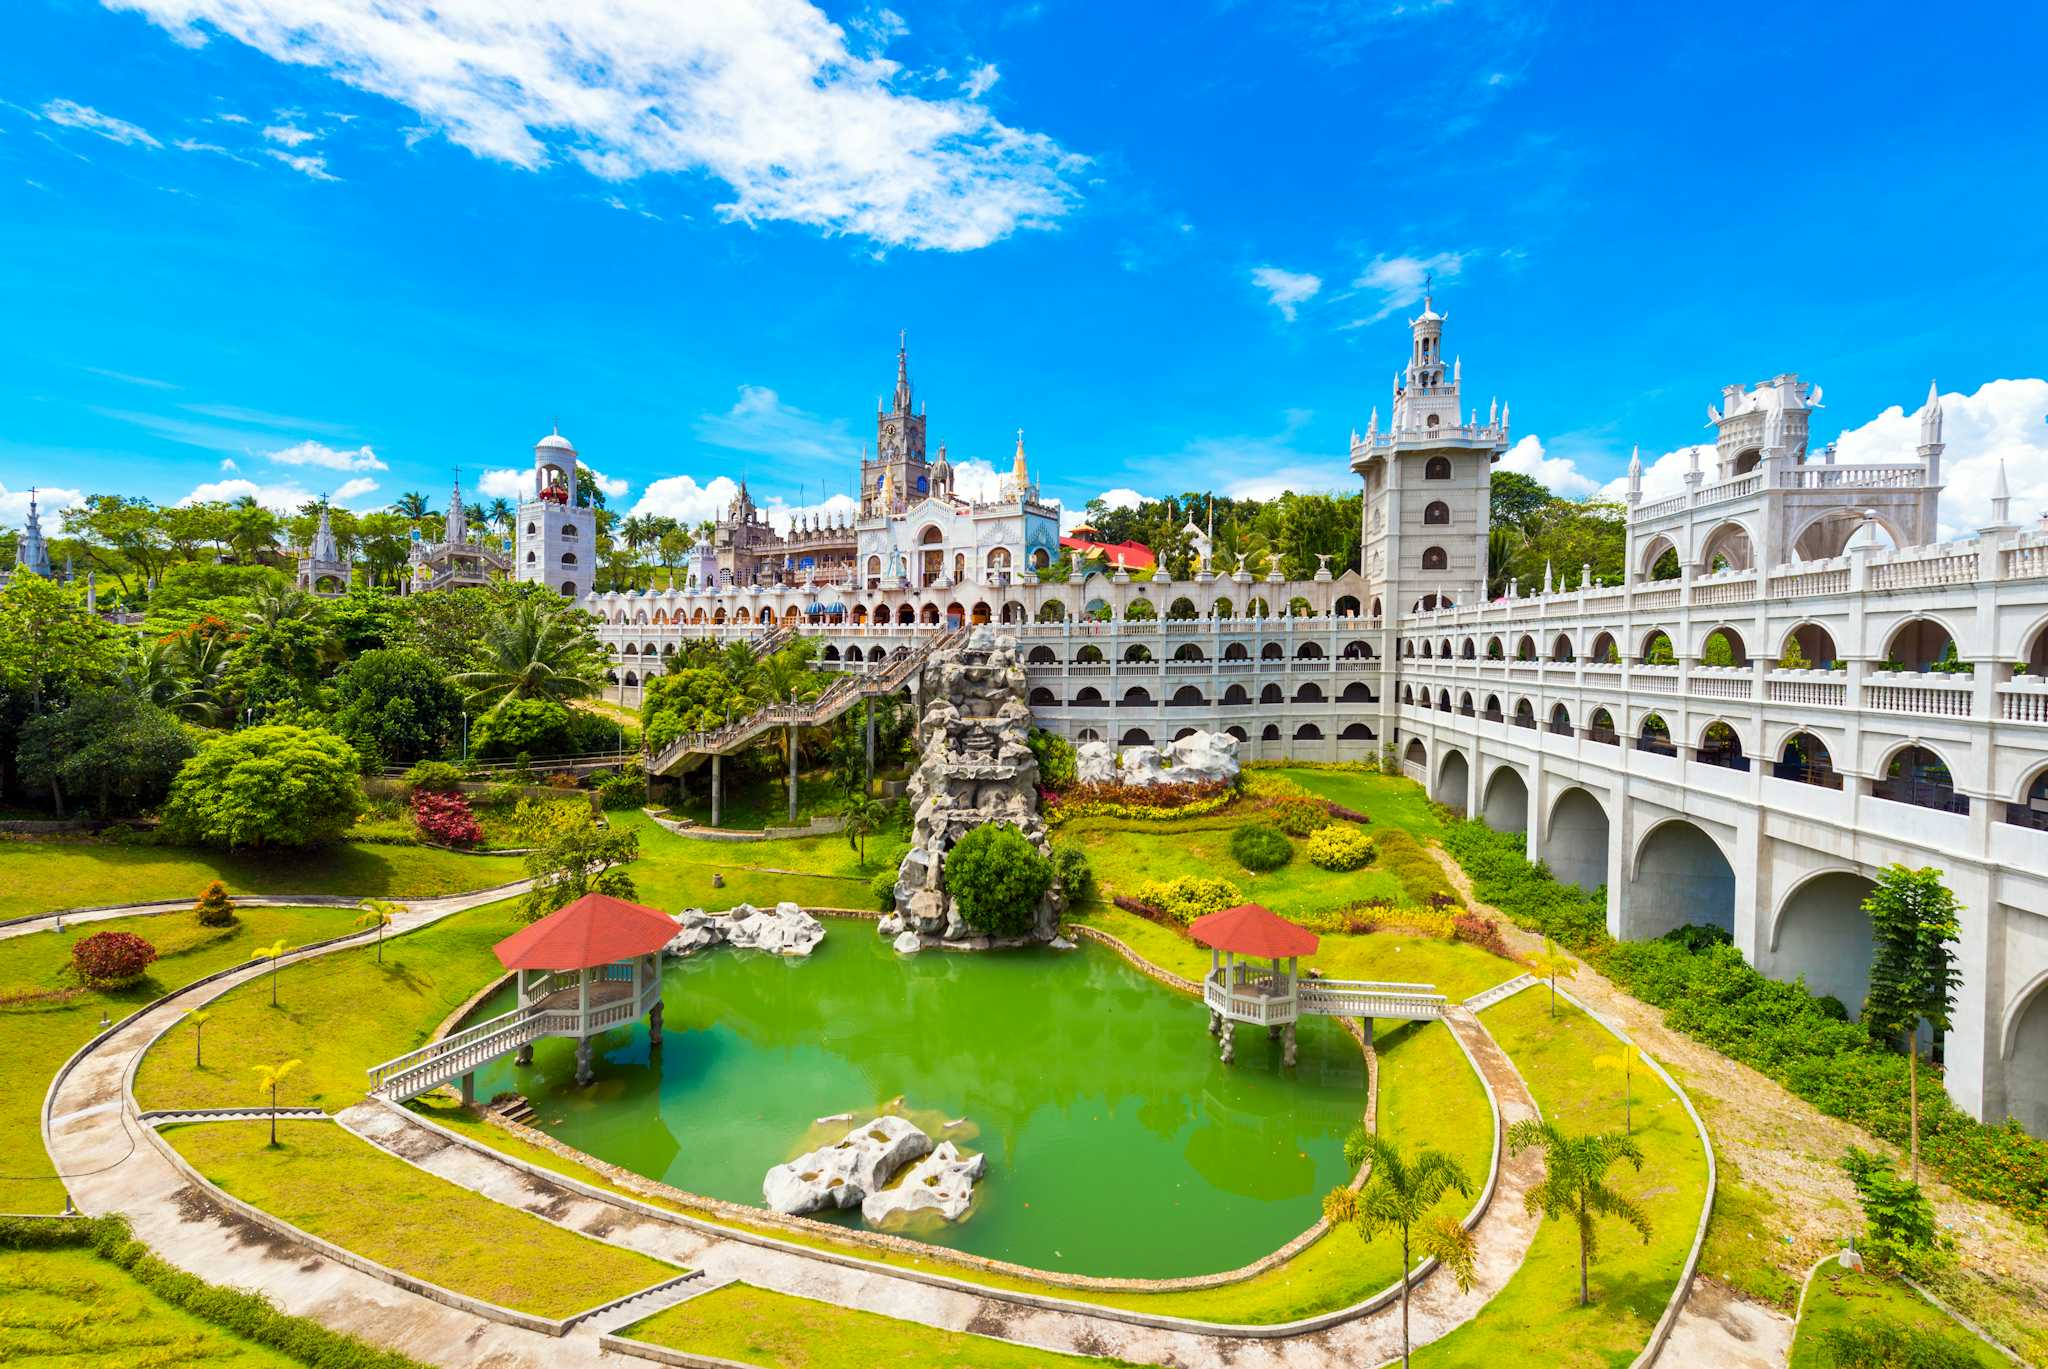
x: 975, y: 768
x: 1202, y: 757
x: 942, y: 1182
x: 1198, y: 758
x: 845, y: 1173
x: 784, y: 930
x: 1095, y: 763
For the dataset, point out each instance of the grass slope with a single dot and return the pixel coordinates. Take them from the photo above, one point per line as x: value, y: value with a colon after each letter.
x: 46, y: 875
x: 341, y: 1188
x: 777, y: 1331
x: 675, y: 872
x: 1124, y: 860
x: 45, y: 1015
x: 71, y: 1308
x: 1536, y: 1318
x: 1392, y: 800
x: 1840, y: 1298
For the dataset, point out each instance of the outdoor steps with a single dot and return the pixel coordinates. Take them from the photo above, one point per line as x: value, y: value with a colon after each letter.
x: 659, y: 1298
x: 1508, y: 988
x: 514, y: 1109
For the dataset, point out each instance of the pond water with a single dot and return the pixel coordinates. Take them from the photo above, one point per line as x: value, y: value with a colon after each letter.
x: 1117, y: 1143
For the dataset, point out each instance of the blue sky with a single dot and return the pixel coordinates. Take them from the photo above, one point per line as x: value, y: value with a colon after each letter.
x: 323, y: 245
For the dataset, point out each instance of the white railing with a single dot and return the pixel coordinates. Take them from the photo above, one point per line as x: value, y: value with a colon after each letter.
x: 1245, y: 995
x: 1939, y: 696
x: 2024, y: 700
x: 1803, y: 688
x: 1370, y: 998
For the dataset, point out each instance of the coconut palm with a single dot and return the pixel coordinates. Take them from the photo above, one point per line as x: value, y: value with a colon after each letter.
x: 531, y: 653
x: 270, y: 953
x: 1627, y: 1060
x: 378, y: 913
x: 268, y: 1078
x: 1574, y: 1183
x: 1549, y: 963
x: 197, y: 1017
x: 862, y: 818
x: 500, y: 514
x: 412, y: 504
x: 1399, y: 1194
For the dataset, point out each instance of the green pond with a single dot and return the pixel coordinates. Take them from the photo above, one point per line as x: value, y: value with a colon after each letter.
x: 1117, y: 1143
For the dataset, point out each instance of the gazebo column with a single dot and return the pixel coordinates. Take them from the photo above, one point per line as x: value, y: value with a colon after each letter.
x: 583, y: 1075
x: 654, y: 1014
x: 525, y: 1055
x: 1228, y: 1050
x: 1273, y: 1028
x: 715, y: 788
x: 1215, y: 1018
x: 791, y: 739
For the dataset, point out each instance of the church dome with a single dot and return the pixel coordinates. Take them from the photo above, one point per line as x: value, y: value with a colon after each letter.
x: 554, y: 442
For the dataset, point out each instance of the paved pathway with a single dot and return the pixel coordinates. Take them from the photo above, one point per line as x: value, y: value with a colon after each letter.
x: 49, y: 921
x: 95, y: 1138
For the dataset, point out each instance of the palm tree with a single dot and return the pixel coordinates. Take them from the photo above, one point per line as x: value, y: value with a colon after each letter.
x: 379, y: 912
x: 863, y: 818
x: 1627, y: 1060
x: 500, y: 514
x: 412, y: 504
x: 1399, y: 1195
x: 1549, y: 963
x: 271, y: 954
x: 533, y: 654
x: 1575, y: 1183
x: 197, y: 1017
x: 268, y: 1077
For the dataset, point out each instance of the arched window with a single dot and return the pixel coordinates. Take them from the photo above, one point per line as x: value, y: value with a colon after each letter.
x: 1436, y: 512
x: 1656, y: 736
x: 1918, y: 776
x: 1561, y: 649
x: 1525, y: 714
x: 1437, y: 468
x: 1435, y: 558
x: 568, y: 558
x: 568, y: 529
x: 1560, y: 721
x: 1431, y: 421
x: 1601, y: 728
x: 1720, y: 746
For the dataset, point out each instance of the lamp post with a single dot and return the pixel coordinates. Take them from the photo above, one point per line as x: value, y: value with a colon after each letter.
x: 465, y: 736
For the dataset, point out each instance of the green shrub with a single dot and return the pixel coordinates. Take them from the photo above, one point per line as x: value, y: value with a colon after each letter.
x: 1057, y: 767
x: 1408, y: 860
x: 1883, y: 1344
x: 883, y: 886
x: 1259, y: 847
x: 1502, y: 875
x: 274, y: 785
x: 437, y: 777
x: 1338, y: 847
x: 1298, y: 817
x: 996, y: 877
x: 215, y: 908
x: 1070, y: 864
x: 1187, y: 897
x: 625, y: 790
x: 1900, y: 1235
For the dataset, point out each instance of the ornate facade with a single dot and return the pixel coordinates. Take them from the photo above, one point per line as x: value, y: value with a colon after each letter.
x: 458, y: 560
x: 1745, y: 733
x: 31, y: 552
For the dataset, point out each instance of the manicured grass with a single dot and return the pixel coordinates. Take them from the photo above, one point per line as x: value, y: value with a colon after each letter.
x: 1838, y: 1298
x: 46, y: 875
x: 1536, y: 1318
x: 675, y: 872
x: 1124, y: 859
x: 1391, y: 800
x: 1457, y: 968
x: 72, y: 1308
x: 46, y: 1015
x: 339, y: 1014
x: 758, y: 803
x: 335, y: 1185
x: 777, y: 1331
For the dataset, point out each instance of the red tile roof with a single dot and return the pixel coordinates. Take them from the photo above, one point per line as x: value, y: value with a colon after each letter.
x: 1249, y: 929
x: 596, y: 929
x: 1137, y: 556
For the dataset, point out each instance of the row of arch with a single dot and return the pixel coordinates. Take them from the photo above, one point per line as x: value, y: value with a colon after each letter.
x: 1190, y: 696
x: 1138, y: 652
x: 1139, y: 609
x: 1271, y: 732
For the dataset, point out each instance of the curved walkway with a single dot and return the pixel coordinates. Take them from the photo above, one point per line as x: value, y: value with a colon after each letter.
x: 91, y: 1129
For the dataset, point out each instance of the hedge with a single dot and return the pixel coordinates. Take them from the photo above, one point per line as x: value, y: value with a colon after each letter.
x: 251, y: 1316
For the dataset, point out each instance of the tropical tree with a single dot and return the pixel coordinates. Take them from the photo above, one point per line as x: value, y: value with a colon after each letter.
x: 1399, y: 1194
x: 272, y: 953
x: 109, y: 748
x: 412, y: 504
x: 274, y: 785
x: 378, y: 913
x: 500, y: 513
x: 1549, y: 963
x: 198, y: 1018
x: 1916, y: 922
x: 1574, y: 1183
x: 1627, y: 1060
x: 863, y: 817
x: 268, y: 1079
x: 584, y: 860
x: 532, y: 653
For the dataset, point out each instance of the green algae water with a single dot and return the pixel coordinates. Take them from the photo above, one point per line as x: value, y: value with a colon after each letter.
x: 1117, y: 1143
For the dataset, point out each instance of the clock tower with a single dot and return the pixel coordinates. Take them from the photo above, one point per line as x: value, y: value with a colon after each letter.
x: 899, y: 450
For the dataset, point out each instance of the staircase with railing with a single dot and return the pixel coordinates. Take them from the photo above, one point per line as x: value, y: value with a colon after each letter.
x: 690, y: 750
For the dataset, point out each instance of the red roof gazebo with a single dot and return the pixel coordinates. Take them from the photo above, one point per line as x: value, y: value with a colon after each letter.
x: 588, y: 967
x: 1239, y: 992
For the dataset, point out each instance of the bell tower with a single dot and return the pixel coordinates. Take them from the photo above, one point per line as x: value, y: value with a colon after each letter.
x: 899, y: 449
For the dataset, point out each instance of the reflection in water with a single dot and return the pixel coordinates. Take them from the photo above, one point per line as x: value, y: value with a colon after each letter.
x: 1118, y: 1144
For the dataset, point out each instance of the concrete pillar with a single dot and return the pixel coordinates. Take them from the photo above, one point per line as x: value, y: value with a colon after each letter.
x: 1215, y: 1023
x: 791, y: 738
x: 469, y: 1089
x: 525, y: 1055
x: 1288, y: 1053
x: 868, y: 727
x: 583, y: 1074
x: 716, y: 789
x: 1229, y: 1051
x: 654, y: 1025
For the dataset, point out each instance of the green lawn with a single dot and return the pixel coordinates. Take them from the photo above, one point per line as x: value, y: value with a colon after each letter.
x: 758, y: 803
x: 1392, y: 800
x: 46, y: 875
x: 1124, y: 859
x: 1536, y: 1318
x: 674, y: 872
x: 755, y: 1326
x: 339, y: 1013
x: 45, y: 1015
x: 72, y: 1308
x: 1838, y: 1298
x: 335, y: 1185
x: 1457, y: 968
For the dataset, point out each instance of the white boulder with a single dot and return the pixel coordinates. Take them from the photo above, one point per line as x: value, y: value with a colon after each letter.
x: 844, y: 1173
x: 696, y: 929
x: 890, y: 926
x: 1143, y: 765
x: 785, y: 930
x: 909, y: 943
x: 1204, y: 756
x: 942, y: 1182
x: 1095, y: 763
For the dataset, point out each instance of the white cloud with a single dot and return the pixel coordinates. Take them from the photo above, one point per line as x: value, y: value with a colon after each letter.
x: 1400, y: 281
x: 680, y: 497
x: 1286, y: 291
x: 71, y: 114
x: 1664, y: 475
x: 836, y: 508
x: 768, y: 98
x: 194, y: 145
x: 1560, y: 473
x: 311, y: 453
x: 50, y: 505
x: 316, y: 167
x: 284, y: 498
x: 356, y: 488
x: 613, y: 488
x: 227, y: 463
x: 506, y: 484
x: 2006, y: 420
x: 760, y: 422
x: 981, y: 80
x: 288, y: 134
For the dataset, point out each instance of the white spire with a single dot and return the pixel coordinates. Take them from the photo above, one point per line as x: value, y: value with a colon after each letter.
x: 1493, y: 411
x: 2001, y: 499
x: 1373, y: 426
x: 1635, y: 474
x: 1930, y: 418
x: 1457, y: 369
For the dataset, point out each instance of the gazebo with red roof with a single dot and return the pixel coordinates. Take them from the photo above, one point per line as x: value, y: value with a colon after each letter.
x: 1237, y: 991
x: 588, y: 967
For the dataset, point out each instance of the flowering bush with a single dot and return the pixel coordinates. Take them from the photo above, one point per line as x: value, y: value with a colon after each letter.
x: 1187, y: 897
x: 215, y: 908
x: 1144, y: 795
x: 1298, y: 817
x: 1068, y: 807
x: 1339, y: 848
x: 111, y: 960
x: 1482, y: 932
x: 445, y: 818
